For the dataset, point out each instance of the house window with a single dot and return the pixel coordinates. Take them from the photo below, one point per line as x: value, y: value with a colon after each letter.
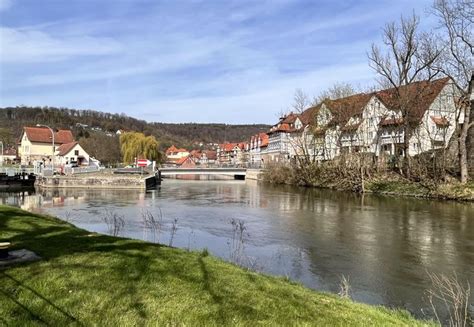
x: 76, y: 152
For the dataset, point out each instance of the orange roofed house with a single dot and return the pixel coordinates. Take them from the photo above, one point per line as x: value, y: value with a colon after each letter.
x: 173, y: 154
x: 232, y: 154
x: 36, y: 144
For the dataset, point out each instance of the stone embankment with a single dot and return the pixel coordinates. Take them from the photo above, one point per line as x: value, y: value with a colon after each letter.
x: 98, y: 182
x: 254, y: 174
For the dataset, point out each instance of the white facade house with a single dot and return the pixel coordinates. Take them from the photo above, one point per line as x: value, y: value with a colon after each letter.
x: 257, y: 148
x: 73, y: 154
x: 434, y: 116
x: 370, y: 123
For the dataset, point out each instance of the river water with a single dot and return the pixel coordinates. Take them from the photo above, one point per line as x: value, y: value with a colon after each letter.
x: 385, y: 246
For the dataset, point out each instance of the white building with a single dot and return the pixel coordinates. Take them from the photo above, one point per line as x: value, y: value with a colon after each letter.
x: 370, y: 123
x: 73, y: 154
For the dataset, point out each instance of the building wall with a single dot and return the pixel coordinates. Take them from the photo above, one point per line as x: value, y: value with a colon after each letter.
x: 72, y: 156
x: 29, y: 152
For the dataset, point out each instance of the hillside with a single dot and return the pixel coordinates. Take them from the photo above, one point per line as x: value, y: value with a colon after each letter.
x: 94, y: 124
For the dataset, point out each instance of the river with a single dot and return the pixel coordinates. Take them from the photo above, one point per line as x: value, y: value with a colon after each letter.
x: 384, y: 246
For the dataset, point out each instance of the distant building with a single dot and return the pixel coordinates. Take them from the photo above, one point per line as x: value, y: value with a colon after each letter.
x: 72, y: 154
x: 257, y: 148
x: 370, y: 123
x: 9, y: 155
x: 186, y: 162
x: 173, y: 154
x: 35, y: 144
x: 232, y: 154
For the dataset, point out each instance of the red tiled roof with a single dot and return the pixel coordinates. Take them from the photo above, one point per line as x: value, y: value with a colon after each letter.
x: 66, y: 147
x: 43, y: 135
x: 264, y: 138
x: 173, y: 149
x: 182, y: 160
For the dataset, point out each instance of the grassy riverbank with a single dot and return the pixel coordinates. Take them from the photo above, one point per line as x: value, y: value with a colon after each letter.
x: 87, y: 278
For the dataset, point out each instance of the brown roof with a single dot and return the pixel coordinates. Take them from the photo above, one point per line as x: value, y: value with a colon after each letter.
x: 344, y: 108
x: 211, y: 155
x: 308, y: 116
x: 65, y: 148
x: 417, y: 97
x: 43, y: 135
x: 289, y: 119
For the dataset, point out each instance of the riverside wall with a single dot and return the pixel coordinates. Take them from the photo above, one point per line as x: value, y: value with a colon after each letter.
x: 94, y: 182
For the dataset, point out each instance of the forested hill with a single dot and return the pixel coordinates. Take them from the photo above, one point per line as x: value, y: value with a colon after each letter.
x: 85, y: 122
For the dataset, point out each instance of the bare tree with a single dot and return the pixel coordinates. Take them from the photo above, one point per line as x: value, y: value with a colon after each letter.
x: 300, y: 101
x: 406, y: 58
x: 337, y: 91
x: 456, y: 21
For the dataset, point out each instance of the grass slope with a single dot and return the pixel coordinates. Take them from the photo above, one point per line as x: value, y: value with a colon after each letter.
x: 91, y: 279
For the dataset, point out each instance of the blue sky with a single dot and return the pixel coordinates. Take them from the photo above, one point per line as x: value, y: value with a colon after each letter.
x: 186, y: 61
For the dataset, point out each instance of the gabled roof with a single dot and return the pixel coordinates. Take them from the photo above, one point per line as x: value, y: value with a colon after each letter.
x: 66, y: 148
x: 183, y: 160
x: 344, y: 108
x: 43, y: 135
x: 418, y: 97
x: 308, y: 116
x: 173, y: 149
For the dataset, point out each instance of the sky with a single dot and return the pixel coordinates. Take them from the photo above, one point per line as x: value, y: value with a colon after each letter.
x: 236, y: 61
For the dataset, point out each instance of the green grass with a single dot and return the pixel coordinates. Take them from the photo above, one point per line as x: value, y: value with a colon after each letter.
x: 91, y: 279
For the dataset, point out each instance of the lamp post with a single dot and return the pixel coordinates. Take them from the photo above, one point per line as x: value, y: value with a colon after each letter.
x: 52, y: 133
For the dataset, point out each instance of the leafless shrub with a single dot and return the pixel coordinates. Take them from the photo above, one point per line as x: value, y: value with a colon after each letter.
x: 115, y: 222
x: 344, y: 287
x: 450, y: 294
x: 152, y: 223
x: 67, y: 216
x: 174, y: 229
x: 237, y: 243
x: 191, y: 235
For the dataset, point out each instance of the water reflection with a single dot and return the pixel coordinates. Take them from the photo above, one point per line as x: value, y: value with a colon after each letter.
x: 384, y: 245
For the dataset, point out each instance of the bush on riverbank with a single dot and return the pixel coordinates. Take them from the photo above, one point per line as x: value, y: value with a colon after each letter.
x: 363, y: 177
x: 91, y: 279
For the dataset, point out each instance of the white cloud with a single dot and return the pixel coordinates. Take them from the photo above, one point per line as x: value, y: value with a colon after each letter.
x: 30, y: 46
